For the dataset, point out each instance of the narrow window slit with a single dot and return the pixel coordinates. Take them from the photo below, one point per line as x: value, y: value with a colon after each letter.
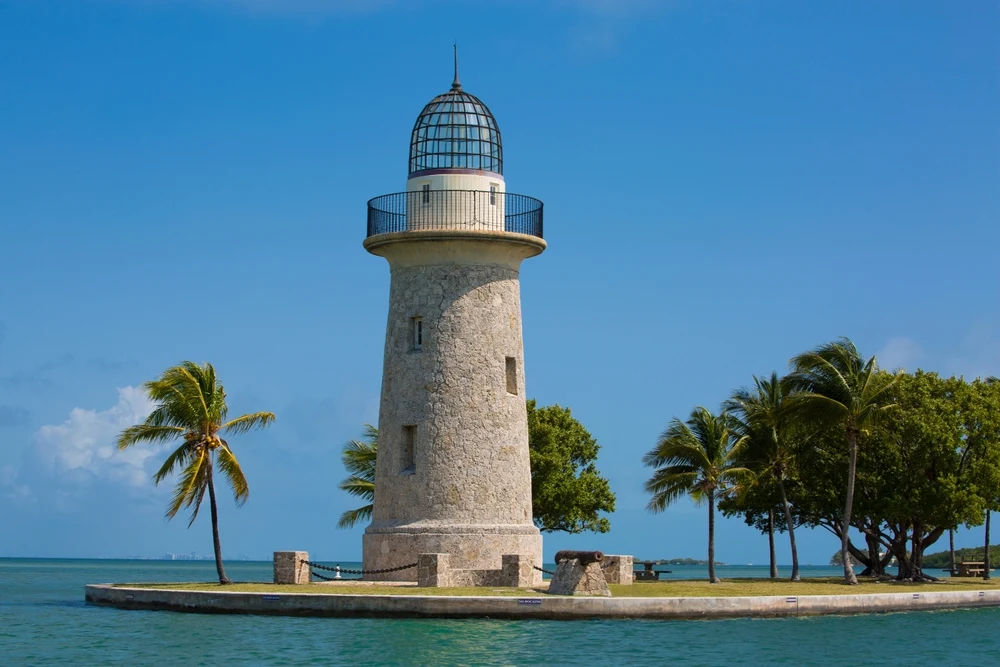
x: 408, y: 465
x: 416, y: 333
x: 511, y: 375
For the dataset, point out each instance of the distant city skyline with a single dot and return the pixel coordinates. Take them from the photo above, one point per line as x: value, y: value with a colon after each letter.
x: 725, y: 186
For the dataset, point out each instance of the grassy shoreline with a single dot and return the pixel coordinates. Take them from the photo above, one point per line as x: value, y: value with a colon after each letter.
x: 675, y: 588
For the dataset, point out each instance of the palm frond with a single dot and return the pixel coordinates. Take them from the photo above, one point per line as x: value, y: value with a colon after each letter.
x: 351, y: 517
x: 667, y: 485
x: 359, y: 456
x: 146, y: 433
x: 188, y: 378
x: 233, y: 473
x: 358, y: 487
x: 678, y: 444
x: 194, y: 476
x: 249, y: 422
x: 817, y: 407
x: 177, y: 457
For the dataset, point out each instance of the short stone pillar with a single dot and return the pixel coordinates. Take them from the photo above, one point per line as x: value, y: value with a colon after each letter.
x: 433, y: 570
x: 618, y: 569
x: 574, y: 578
x: 517, y: 571
x: 290, y: 567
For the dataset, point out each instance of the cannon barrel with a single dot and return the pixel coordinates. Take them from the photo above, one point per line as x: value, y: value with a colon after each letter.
x: 585, y: 557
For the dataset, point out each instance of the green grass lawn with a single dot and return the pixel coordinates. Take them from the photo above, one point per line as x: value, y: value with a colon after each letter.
x: 676, y: 588
x: 343, y: 589
x: 808, y: 586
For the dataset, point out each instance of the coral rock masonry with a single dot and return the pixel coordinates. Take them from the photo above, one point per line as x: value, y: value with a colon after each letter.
x: 453, y: 480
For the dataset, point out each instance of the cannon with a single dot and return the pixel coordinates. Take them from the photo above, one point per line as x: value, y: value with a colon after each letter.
x: 585, y: 557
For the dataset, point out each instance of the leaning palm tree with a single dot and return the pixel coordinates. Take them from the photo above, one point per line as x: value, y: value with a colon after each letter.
x: 359, y: 458
x: 760, y: 415
x: 191, y: 405
x: 834, y: 384
x: 697, y: 458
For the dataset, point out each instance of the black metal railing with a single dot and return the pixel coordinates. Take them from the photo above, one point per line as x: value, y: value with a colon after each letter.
x: 455, y: 209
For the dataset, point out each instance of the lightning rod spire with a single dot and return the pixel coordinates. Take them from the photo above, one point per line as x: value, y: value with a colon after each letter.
x: 456, y: 84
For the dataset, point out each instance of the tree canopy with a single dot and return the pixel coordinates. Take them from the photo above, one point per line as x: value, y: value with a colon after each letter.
x: 568, y: 492
x: 923, y: 451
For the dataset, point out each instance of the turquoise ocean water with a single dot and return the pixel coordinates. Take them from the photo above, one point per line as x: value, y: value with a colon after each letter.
x: 44, y: 621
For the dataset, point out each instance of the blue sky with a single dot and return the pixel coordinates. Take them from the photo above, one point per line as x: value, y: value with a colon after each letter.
x: 726, y: 184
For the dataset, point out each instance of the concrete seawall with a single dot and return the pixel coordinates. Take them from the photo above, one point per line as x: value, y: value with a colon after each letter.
x: 542, y: 607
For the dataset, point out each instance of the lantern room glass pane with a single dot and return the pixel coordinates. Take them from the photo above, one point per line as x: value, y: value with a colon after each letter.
x: 456, y: 131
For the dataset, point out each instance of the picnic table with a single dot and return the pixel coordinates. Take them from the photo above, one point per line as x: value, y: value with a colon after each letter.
x: 648, y: 573
x: 970, y: 568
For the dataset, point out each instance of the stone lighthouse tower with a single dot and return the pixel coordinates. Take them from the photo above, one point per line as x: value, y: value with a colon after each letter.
x: 453, y: 474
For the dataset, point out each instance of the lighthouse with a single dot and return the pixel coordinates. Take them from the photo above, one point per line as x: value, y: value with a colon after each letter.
x: 453, y: 474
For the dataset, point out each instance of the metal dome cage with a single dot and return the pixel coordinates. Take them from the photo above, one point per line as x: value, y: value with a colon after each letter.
x: 456, y: 131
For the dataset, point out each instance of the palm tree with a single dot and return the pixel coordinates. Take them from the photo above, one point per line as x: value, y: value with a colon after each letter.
x: 835, y: 384
x: 359, y: 459
x: 760, y: 415
x: 191, y: 405
x: 697, y: 458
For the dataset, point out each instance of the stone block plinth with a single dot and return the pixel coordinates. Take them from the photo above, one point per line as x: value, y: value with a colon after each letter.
x: 290, y: 567
x: 618, y: 569
x: 433, y: 571
x: 574, y: 578
x: 517, y: 571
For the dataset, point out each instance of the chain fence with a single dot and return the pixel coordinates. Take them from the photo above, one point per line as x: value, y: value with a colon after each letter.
x: 340, y: 570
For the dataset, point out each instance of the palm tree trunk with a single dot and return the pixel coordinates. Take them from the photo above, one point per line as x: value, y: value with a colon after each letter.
x: 852, y: 469
x: 223, y: 579
x: 951, y: 550
x: 986, y: 554
x: 791, y: 530
x: 770, y: 544
x: 711, y: 538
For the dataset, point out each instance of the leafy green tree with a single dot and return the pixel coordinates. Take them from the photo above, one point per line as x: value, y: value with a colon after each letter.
x: 925, y: 465
x: 922, y: 469
x: 838, y: 558
x: 698, y: 458
x: 982, y: 418
x: 191, y: 405
x: 359, y: 457
x: 568, y: 492
x: 761, y: 416
x: 835, y: 384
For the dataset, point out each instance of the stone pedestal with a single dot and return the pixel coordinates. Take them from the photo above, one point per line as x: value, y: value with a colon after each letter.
x: 433, y: 571
x: 518, y: 571
x: 574, y: 578
x: 618, y: 569
x: 290, y: 567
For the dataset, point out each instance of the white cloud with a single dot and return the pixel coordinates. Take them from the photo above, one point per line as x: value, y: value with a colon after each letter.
x: 899, y: 353
x: 85, y: 443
